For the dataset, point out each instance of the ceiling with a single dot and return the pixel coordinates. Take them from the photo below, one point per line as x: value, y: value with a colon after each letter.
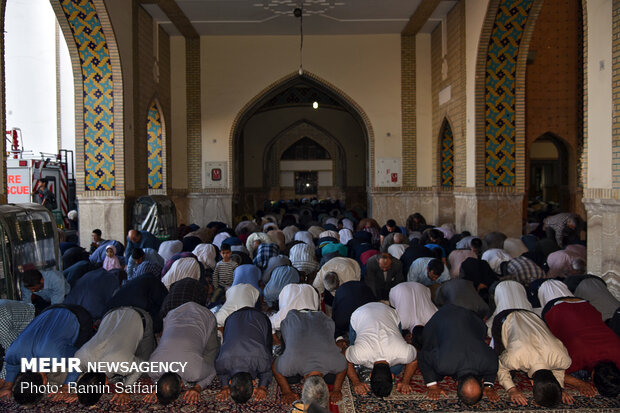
x: 275, y: 17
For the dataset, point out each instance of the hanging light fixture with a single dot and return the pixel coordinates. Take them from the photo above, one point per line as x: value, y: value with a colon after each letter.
x: 298, y: 12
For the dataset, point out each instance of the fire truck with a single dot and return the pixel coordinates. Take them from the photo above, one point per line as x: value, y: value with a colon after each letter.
x: 25, y: 169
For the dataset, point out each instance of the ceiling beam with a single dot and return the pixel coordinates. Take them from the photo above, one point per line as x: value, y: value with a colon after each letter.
x: 176, y: 16
x: 419, y: 18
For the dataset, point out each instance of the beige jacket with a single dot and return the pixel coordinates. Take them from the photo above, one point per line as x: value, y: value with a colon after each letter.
x: 530, y: 346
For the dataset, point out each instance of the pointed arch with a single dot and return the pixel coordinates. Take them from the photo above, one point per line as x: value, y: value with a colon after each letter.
x: 236, y: 179
x: 446, y: 155
x: 155, y: 144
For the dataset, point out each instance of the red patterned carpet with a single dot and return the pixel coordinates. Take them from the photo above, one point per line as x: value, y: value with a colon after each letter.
x: 396, y: 402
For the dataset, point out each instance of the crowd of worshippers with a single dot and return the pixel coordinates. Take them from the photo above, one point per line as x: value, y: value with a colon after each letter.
x: 312, y: 294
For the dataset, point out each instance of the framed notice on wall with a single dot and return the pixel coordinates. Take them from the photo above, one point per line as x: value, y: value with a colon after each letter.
x: 388, y: 172
x: 216, y: 174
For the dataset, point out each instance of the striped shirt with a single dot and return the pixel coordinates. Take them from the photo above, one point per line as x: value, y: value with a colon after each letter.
x: 523, y: 270
x: 224, y: 274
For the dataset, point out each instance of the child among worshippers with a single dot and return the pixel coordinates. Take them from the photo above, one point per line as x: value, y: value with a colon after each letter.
x: 111, y: 260
x: 224, y: 273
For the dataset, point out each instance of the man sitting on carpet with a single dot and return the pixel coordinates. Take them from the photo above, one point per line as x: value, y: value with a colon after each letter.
x: 453, y: 344
x: 377, y: 343
x: 245, y: 355
x: 310, y: 350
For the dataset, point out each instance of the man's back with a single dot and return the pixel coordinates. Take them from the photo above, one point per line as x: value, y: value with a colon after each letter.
x: 189, y: 334
x: 246, y: 345
x: 580, y: 328
x: 378, y: 337
x: 94, y: 290
x: 454, y: 345
x: 349, y: 297
x: 309, y: 345
x: 51, y: 334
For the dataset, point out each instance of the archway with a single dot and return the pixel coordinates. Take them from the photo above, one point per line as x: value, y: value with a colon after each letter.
x: 284, y: 113
x: 548, y: 185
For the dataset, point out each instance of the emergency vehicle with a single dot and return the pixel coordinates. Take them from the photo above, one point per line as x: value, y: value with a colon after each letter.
x: 24, y: 169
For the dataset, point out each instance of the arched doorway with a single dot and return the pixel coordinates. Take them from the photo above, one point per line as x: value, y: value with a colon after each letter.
x: 548, y: 171
x: 284, y: 115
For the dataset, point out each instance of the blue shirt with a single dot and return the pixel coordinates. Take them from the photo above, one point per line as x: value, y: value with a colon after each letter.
x: 94, y: 290
x: 247, y: 274
x: 280, y: 278
x: 51, y: 334
x: 151, y: 256
x: 55, y: 288
x: 147, y: 240
x: 246, y: 347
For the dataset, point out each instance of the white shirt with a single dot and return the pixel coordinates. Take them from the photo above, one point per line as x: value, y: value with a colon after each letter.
x: 378, y: 337
x: 397, y: 250
x: 117, y: 339
x: 508, y: 295
x: 237, y: 297
x: 495, y: 257
x: 182, y: 268
x: 552, y: 289
x: 413, y: 304
x: 294, y: 297
x: 347, y: 269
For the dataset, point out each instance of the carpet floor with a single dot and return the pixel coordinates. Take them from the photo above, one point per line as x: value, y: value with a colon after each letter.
x: 396, y: 402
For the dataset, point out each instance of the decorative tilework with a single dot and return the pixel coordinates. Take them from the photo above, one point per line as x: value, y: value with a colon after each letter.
x: 154, y: 147
x: 98, y: 94
x: 501, y: 66
x: 447, y: 155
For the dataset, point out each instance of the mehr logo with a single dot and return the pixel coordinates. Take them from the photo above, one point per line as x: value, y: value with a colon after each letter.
x: 51, y: 365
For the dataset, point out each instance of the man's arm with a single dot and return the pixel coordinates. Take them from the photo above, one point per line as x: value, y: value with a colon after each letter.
x: 359, y: 387
x: 404, y: 386
x: 585, y: 389
x: 288, y: 397
x: 336, y: 394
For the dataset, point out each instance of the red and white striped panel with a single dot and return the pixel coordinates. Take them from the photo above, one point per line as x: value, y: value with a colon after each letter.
x: 64, y: 194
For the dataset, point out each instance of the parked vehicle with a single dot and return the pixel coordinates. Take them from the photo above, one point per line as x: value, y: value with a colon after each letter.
x: 28, y: 240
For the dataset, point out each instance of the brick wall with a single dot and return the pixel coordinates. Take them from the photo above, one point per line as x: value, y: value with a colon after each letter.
x: 554, y: 84
x: 454, y: 109
x: 194, y: 144
x: 408, y: 104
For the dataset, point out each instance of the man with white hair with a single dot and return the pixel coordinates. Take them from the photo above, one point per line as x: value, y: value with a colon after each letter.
x: 347, y: 269
x: 564, y: 228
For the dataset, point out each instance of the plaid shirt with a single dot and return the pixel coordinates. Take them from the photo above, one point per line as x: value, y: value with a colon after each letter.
x: 264, y: 252
x: 523, y: 270
x: 302, y: 257
x: 181, y: 292
x: 558, y: 222
x: 147, y: 267
x: 14, y: 318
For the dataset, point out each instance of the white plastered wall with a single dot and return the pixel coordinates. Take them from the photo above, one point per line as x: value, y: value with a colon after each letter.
x: 599, y: 78
x: 178, y: 112
x: 424, y: 110
x: 237, y: 68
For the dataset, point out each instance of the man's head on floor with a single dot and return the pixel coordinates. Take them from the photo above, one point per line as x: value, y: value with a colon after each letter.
x: 381, y: 379
x: 315, y: 392
x: 241, y: 387
x: 469, y: 389
x: 169, y: 388
x: 546, y: 389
